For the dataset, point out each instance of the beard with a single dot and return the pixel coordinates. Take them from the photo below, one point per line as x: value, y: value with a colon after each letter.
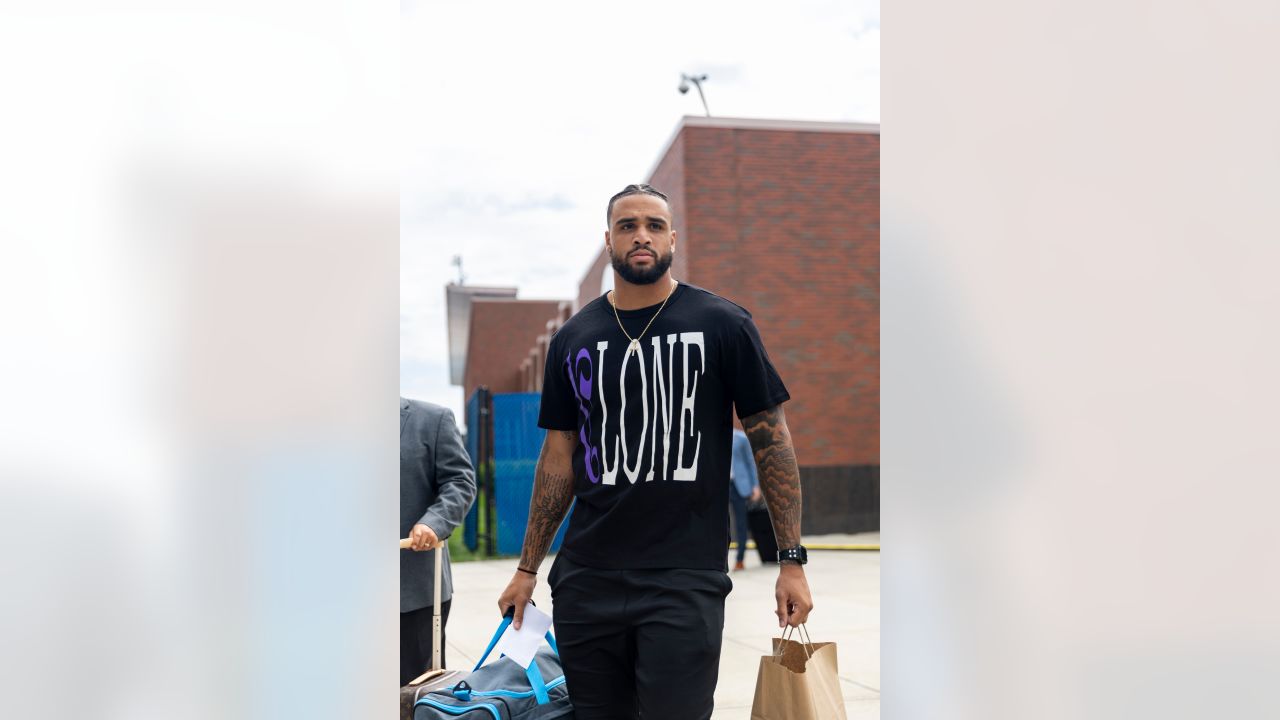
x: 643, y: 276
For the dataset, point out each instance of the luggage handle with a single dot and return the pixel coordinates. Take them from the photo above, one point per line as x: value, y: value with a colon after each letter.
x: 436, y: 627
x: 406, y: 543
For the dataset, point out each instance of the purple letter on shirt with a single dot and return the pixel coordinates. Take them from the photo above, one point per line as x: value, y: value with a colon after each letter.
x: 581, y: 384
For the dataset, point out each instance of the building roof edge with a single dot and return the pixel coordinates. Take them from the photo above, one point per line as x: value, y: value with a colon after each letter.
x: 730, y: 123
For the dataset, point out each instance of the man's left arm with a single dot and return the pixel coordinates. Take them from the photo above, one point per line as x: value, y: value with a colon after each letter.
x: 749, y: 463
x: 779, y: 476
x: 455, y: 486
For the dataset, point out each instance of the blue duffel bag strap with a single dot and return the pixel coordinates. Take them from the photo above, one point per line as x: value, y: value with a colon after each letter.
x: 535, y: 682
x: 532, y: 672
x: 502, y: 627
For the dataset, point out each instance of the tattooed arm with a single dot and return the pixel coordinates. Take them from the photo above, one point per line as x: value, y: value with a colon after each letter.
x: 779, y: 474
x: 780, y: 482
x: 552, y: 494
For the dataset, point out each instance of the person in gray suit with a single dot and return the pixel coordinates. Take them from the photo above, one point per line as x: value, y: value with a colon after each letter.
x: 437, y: 487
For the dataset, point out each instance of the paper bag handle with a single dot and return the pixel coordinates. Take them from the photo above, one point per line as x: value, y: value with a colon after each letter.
x: 805, y: 640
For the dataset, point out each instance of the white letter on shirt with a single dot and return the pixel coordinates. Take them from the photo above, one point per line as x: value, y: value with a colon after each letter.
x: 662, y: 402
x: 687, y: 398
x: 632, y: 473
x: 610, y: 473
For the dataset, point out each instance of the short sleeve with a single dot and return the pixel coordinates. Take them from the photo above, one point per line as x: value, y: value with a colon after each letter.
x: 559, y: 408
x: 753, y: 381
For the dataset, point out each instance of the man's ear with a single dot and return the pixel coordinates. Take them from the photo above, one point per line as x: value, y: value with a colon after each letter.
x: 673, y: 241
x: 607, y: 246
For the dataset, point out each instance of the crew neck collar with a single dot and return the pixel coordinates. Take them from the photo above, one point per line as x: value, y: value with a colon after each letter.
x: 644, y: 311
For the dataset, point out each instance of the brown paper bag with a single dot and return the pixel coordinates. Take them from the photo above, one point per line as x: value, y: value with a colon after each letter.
x: 800, y: 681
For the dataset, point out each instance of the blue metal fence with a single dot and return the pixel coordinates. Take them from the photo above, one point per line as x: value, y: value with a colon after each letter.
x: 517, y: 441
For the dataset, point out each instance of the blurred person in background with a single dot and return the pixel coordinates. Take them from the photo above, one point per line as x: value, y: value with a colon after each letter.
x: 437, y: 487
x: 639, y: 391
x: 745, y: 489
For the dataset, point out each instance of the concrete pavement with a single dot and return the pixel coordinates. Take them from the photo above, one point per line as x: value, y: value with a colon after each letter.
x: 846, y: 591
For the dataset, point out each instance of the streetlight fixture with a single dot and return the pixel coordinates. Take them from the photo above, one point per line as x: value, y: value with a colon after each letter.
x: 697, y: 81
x: 457, y: 262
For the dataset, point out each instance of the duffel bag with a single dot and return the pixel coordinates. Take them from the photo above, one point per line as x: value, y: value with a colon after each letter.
x: 503, y: 690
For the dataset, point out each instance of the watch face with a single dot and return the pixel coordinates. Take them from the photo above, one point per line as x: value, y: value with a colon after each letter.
x: 798, y: 554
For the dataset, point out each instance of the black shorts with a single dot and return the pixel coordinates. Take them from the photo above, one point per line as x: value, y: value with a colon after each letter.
x: 639, y: 643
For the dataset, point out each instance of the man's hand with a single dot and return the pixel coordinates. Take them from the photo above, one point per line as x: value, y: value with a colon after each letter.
x: 518, y: 594
x: 423, y: 537
x: 792, y: 594
x: 755, y: 494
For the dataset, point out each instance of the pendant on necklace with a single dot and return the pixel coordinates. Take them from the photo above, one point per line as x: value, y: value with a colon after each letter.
x: 634, y: 347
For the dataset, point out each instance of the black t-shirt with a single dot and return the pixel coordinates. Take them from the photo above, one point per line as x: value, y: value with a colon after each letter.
x: 655, y: 429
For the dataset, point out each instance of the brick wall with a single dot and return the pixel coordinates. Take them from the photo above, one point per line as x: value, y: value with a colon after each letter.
x: 502, y: 332
x: 787, y: 224
x: 590, y: 288
x: 669, y: 177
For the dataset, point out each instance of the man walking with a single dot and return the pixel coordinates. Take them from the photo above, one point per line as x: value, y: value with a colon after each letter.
x: 637, y: 396
x: 437, y: 487
x: 745, y: 489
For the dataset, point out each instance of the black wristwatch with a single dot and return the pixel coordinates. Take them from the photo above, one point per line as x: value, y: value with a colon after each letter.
x: 798, y: 555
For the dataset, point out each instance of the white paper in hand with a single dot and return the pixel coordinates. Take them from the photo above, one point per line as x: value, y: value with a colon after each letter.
x: 521, y: 645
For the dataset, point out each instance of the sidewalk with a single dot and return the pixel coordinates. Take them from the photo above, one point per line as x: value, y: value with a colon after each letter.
x: 846, y: 591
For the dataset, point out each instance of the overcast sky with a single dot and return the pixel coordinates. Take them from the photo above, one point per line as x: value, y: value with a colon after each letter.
x: 520, y: 122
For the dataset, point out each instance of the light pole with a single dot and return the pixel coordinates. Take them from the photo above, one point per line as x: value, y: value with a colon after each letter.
x: 457, y: 262
x: 697, y: 81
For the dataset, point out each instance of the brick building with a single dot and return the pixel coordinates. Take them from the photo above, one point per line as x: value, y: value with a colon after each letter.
x: 783, y: 218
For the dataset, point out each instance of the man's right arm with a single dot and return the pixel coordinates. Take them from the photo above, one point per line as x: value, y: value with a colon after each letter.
x: 552, y: 495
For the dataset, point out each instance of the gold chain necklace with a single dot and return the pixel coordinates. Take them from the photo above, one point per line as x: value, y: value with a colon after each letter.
x: 634, y: 347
